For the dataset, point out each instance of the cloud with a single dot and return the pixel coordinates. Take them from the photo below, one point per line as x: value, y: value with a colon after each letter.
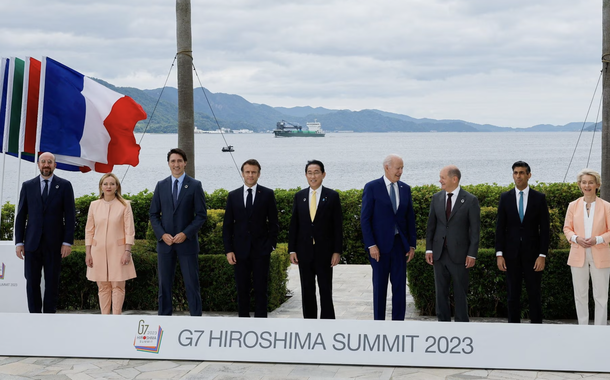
x: 506, y: 62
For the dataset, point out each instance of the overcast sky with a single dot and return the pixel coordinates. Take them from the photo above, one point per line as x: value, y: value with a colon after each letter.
x: 512, y: 63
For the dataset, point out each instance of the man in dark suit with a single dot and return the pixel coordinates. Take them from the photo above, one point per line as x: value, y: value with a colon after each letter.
x: 315, y: 240
x: 249, y: 233
x: 177, y: 212
x: 452, y: 242
x: 388, y: 230
x: 46, y: 202
x: 522, y: 242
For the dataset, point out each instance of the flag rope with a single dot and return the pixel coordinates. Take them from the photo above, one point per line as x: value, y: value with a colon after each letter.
x: 153, y: 111
x: 218, y: 124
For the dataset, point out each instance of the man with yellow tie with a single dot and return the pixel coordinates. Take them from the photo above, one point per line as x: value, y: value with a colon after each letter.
x: 315, y: 240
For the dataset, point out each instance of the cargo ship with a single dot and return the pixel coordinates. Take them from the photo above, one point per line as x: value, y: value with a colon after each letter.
x: 288, y: 129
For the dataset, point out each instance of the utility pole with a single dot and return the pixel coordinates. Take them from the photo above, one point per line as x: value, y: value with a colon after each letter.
x: 186, y: 110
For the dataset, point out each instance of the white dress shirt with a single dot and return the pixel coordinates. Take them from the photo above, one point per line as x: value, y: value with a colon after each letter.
x: 246, y: 193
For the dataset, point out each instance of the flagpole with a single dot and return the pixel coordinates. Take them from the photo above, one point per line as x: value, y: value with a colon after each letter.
x: 24, y: 108
x: 43, y: 74
x: 7, y: 120
x: 3, y: 68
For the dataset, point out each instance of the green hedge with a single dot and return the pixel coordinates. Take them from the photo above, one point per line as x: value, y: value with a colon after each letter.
x: 487, y: 292
x: 488, y: 288
x: 218, y: 290
x: 558, y: 196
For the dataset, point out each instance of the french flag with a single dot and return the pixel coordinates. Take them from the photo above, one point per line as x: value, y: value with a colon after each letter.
x: 84, y: 123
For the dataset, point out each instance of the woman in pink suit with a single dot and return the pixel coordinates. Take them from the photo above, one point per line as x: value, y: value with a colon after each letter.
x: 587, y: 228
x: 109, y: 235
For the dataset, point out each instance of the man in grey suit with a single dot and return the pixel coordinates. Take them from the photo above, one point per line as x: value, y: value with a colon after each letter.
x: 177, y: 212
x: 452, y: 242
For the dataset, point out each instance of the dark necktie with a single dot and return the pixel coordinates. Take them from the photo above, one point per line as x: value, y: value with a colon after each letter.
x: 175, y: 193
x: 448, y: 209
x: 393, y: 197
x: 249, y: 202
x: 45, y: 191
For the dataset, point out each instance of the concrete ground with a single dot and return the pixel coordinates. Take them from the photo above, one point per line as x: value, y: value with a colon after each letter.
x: 353, y: 300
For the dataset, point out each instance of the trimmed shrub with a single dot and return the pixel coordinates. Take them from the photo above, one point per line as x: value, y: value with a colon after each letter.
x: 487, y: 292
x: 216, y: 278
x: 210, y: 236
x: 7, y: 219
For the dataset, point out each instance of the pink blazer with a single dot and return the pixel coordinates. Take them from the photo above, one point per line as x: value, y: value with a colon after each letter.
x: 109, y: 227
x: 575, y: 225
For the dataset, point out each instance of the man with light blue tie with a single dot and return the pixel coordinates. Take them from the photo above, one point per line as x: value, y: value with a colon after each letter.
x: 522, y: 242
x: 388, y: 230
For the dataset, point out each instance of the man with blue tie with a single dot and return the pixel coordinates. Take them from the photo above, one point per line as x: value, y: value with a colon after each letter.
x: 388, y: 229
x: 44, y: 232
x: 249, y: 234
x: 522, y: 242
x: 177, y: 212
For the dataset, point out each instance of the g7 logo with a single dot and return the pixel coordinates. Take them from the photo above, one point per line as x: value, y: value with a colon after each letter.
x: 142, y: 328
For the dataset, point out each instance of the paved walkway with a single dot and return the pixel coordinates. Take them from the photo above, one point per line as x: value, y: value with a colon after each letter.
x: 353, y: 300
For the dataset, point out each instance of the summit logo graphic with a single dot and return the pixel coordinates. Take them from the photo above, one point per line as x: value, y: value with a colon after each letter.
x: 147, y: 339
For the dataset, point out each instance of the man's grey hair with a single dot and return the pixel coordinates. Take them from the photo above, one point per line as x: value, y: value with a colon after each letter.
x: 388, y: 160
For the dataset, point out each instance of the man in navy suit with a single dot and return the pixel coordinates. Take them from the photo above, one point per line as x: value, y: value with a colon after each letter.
x: 388, y: 230
x: 177, y: 212
x: 249, y: 233
x: 315, y: 240
x: 46, y: 202
x: 522, y: 242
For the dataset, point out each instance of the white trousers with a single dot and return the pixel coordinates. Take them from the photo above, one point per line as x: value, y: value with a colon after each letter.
x: 599, y: 279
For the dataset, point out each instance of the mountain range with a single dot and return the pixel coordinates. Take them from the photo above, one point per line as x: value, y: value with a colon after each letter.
x: 235, y: 112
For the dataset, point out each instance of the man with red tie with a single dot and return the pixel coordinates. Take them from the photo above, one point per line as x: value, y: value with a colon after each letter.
x: 452, y: 242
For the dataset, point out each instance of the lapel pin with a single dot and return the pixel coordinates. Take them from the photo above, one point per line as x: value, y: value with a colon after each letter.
x: 462, y: 200
x: 57, y: 186
x: 186, y: 186
x: 323, y: 199
x: 304, y: 199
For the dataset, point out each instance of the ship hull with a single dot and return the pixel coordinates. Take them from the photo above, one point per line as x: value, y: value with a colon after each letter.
x: 297, y: 134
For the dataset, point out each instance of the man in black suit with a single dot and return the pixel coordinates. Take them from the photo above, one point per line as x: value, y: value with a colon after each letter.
x: 315, y: 240
x: 249, y: 233
x: 522, y: 242
x: 452, y: 242
x: 47, y: 203
x: 177, y: 212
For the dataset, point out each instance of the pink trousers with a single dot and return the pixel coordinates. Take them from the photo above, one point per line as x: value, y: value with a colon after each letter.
x: 111, y: 292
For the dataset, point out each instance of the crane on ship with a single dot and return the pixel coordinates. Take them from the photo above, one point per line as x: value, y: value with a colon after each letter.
x: 282, y: 125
